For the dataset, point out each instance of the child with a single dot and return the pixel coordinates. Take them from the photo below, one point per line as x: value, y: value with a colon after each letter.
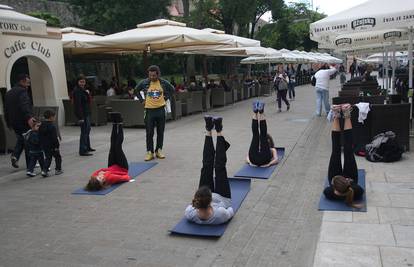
x: 35, y: 150
x: 49, y: 141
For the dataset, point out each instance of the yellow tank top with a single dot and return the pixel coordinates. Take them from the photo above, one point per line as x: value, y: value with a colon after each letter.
x: 155, y: 96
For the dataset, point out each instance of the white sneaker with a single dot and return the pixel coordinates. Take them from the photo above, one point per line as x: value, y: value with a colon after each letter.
x: 31, y: 174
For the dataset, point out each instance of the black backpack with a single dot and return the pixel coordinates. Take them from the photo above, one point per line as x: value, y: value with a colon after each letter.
x: 313, y: 81
x: 388, y: 151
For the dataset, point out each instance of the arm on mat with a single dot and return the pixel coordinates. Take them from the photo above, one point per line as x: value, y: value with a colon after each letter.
x: 274, y: 161
x: 248, y: 161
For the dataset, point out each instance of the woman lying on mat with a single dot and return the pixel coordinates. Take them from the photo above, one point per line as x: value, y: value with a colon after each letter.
x: 212, y: 201
x: 343, y: 183
x: 262, y: 150
x: 117, y: 170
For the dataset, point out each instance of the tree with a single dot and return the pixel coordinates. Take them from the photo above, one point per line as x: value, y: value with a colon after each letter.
x: 51, y: 20
x: 263, y: 6
x: 291, y: 27
x: 109, y: 16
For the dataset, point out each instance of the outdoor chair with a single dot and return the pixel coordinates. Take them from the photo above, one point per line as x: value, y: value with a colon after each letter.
x: 196, y: 101
x: 207, y: 100
x: 186, y: 103
x: 7, y: 136
x: 70, y: 118
x: 132, y: 111
x: 384, y: 119
x: 229, y: 97
x: 98, y: 113
x: 218, y: 97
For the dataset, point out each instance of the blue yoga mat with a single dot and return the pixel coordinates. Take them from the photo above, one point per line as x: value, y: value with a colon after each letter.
x: 248, y: 171
x: 135, y: 169
x: 239, y: 189
x: 326, y: 204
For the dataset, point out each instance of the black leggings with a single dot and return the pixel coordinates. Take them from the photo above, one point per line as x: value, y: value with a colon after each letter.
x: 281, y: 95
x: 350, y: 169
x: 220, y: 184
x: 259, y: 152
x: 116, y: 155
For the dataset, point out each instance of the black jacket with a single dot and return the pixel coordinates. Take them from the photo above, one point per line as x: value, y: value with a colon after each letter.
x: 81, y: 103
x: 18, y: 108
x: 32, y: 141
x: 48, y: 136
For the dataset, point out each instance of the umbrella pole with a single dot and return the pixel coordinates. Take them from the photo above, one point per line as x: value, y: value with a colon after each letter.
x: 410, y: 59
x: 386, y: 68
x: 383, y: 69
x: 393, y: 68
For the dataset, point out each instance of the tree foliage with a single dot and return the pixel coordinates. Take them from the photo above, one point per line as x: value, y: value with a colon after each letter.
x: 109, y: 16
x: 291, y: 28
x: 51, y: 20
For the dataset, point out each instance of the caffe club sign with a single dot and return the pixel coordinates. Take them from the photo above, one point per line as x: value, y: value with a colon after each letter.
x: 19, y: 45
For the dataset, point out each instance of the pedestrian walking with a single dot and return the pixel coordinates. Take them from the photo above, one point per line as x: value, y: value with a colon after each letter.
x: 281, y: 84
x: 50, y: 142
x: 18, y: 111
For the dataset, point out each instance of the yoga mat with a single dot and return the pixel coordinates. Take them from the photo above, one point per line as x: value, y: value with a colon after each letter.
x: 326, y: 204
x: 248, y: 171
x: 239, y: 189
x: 135, y: 169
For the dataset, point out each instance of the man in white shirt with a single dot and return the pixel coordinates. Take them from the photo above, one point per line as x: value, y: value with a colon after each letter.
x: 322, y: 77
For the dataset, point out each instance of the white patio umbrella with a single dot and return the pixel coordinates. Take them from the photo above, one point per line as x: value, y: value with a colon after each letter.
x: 75, y: 37
x: 239, y: 41
x: 157, y: 35
x: 371, y: 15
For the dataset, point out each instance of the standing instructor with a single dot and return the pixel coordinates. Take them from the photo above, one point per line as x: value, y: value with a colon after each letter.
x: 155, y: 91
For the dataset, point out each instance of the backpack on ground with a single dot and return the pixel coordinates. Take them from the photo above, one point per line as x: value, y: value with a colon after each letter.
x: 384, y: 148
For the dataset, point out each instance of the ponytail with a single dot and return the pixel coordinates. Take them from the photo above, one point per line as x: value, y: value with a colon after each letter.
x: 202, y: 198
x: 344, y: 187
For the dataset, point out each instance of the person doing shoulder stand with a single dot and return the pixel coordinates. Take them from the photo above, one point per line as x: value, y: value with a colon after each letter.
x: 343, y: 183
x: 212, y: 201
x: 262, y: 152
x: 117, y: 171
x: 156, y: 92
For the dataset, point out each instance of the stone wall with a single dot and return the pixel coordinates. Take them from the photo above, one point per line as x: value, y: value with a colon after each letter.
x: 59, y: 9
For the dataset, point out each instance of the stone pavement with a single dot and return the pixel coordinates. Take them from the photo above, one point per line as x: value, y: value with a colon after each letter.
x: 384, y: 235
x: 278, y: 224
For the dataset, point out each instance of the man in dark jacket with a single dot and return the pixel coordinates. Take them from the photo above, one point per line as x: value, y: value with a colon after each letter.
x: 82, y: 108
x: 18, y: 111
x: 156, y: 91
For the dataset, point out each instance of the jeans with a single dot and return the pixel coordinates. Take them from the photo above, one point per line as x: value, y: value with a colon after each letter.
x: 53, y: 153
x: 259, y: 152
x: 291, y: 90
x: 33, y: 158
x: 116, y: 154
x: 322, y: 96
x: 220, y: 184
x: 20, y: 145
x: 84, y: 141
x: 155, y: 117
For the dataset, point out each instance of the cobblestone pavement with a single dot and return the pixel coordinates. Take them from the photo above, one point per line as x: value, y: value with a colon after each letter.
x: 278, y: 224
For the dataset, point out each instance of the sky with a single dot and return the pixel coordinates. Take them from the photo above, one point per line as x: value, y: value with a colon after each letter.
x: 329, y: 7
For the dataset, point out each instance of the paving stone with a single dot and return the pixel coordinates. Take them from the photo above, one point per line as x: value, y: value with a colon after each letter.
x: 396, y: 216
x: 404, y: 235
x: 402, y: 200
x: 344, y: 255
x: 393, y: 257
x: 337, y: 216
x: 357, y: 233
x: 371, y: 216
